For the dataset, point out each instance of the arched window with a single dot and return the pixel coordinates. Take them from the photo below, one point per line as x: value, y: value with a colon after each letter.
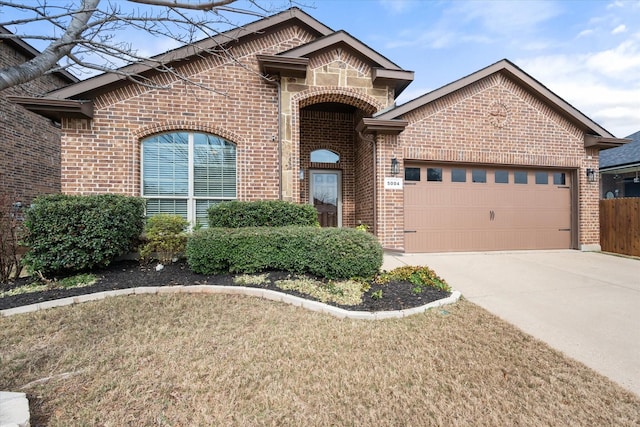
x: 186, y: 172
x: 324, y: 156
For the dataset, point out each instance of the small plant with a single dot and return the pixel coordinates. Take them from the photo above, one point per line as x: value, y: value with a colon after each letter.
x: 377, y: 295
x: 44, y: 284
x: 77, y: 281
x: 35, y: 286
x: 419, y: 276
x: 347, y: 292
x: 362, y: 227
x: 250, y: 279
x: 165, y: 237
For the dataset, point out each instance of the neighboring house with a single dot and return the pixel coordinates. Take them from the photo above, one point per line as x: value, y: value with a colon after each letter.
x: 30, y: 147
x: 491, y: 161
x: 620, y: 170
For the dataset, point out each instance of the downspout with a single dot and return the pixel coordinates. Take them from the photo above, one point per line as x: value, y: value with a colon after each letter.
x: 276, y: 83
x: 372, y: 140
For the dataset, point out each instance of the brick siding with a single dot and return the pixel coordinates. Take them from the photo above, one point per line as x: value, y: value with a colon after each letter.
x: 30, y: 148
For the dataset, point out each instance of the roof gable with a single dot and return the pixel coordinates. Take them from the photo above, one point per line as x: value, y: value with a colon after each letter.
x: 294, y: 61
x: 288, y: 17
x: 337, y: 39
x: 505, y: 66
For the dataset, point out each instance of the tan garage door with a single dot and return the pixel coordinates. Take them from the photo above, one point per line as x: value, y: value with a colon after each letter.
x: 473, y: 208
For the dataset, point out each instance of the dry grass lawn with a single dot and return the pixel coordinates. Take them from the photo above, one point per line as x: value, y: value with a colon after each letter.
x: 215, y: 360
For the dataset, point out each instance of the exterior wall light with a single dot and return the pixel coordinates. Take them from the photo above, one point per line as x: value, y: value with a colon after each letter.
x: 591, y: 175
x: 395, y: 168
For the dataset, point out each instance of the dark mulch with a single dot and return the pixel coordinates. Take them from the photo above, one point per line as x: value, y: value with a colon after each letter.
x: 130, y: 274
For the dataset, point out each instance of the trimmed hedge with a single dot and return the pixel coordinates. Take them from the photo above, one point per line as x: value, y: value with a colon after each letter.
x: 264, y: 213
x: 334, y: 253
x: 72, y: 233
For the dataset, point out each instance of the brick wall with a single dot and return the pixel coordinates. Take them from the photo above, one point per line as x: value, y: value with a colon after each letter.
x: 493, y: 121
x: 30, y: 148
x: 103, y: 155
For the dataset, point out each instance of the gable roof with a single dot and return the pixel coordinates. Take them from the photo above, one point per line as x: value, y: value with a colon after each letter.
x: 294, y: 61
x: 31, y: 52
x: 627, y: 155
x: 294, y: 14
x: 600, y: 137
x: 338, y: 38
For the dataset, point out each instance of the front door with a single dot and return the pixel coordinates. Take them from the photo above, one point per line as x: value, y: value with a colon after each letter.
x: 325, y: 194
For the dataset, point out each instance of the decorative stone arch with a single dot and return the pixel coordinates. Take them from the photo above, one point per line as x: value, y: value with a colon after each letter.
x: 340, y: 95
x: 316, y: 95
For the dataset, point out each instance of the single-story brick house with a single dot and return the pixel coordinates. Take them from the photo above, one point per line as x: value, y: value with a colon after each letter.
x: 303, y: 113
x: 620, y: 169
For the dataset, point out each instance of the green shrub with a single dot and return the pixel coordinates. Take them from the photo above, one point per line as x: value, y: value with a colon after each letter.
x: 165, y: 236
x: 265, y: 213
x: 331, y: 253
x: 419, y: 276
x: 72, y: 233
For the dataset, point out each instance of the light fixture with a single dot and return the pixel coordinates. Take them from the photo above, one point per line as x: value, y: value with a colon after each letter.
x: 301, y: 174
x: 394, y: 167
x: 591, y: 175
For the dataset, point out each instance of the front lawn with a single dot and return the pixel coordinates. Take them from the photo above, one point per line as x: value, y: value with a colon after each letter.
x: 208, y: 360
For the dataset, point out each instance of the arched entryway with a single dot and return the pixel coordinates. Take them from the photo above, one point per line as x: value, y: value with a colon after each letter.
x: 336, y: 165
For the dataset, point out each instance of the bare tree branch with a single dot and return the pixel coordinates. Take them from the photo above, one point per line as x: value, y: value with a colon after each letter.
x: 209, y: 5
x: 30, y: 70
x: 86, y: 38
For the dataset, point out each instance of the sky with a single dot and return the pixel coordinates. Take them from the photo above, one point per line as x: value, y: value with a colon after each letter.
x: 587, y: 52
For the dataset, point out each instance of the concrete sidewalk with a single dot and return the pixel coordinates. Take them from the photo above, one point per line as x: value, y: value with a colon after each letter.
x: 585, y: 304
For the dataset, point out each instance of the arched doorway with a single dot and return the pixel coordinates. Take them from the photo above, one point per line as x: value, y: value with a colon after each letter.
x: 336, y: 166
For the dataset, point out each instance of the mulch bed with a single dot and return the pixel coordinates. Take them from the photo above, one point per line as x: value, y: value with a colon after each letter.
x: 130, y: 274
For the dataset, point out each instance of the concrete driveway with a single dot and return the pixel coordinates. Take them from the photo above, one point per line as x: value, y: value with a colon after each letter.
x: 585, y: 304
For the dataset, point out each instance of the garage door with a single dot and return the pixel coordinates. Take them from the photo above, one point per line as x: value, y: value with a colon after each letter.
x: 473, y: 208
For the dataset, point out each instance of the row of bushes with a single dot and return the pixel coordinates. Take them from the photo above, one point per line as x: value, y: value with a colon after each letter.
x: 72, y: 233
x: 326, y: 252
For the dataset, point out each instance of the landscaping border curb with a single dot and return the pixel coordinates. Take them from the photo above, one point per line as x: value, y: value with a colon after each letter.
x: 237, y: 290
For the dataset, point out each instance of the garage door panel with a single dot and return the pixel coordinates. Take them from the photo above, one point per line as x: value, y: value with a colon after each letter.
x: 471, y: 216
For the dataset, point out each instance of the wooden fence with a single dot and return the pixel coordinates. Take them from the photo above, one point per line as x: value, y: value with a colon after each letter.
x: 620, y: 226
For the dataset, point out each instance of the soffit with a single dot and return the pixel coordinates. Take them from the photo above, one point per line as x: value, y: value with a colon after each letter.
x: 55, y: 109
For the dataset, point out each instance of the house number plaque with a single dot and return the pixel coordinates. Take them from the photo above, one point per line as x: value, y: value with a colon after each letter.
x: 393, y: 183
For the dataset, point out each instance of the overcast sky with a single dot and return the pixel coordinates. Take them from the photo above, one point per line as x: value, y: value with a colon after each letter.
x: 587, y: 52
